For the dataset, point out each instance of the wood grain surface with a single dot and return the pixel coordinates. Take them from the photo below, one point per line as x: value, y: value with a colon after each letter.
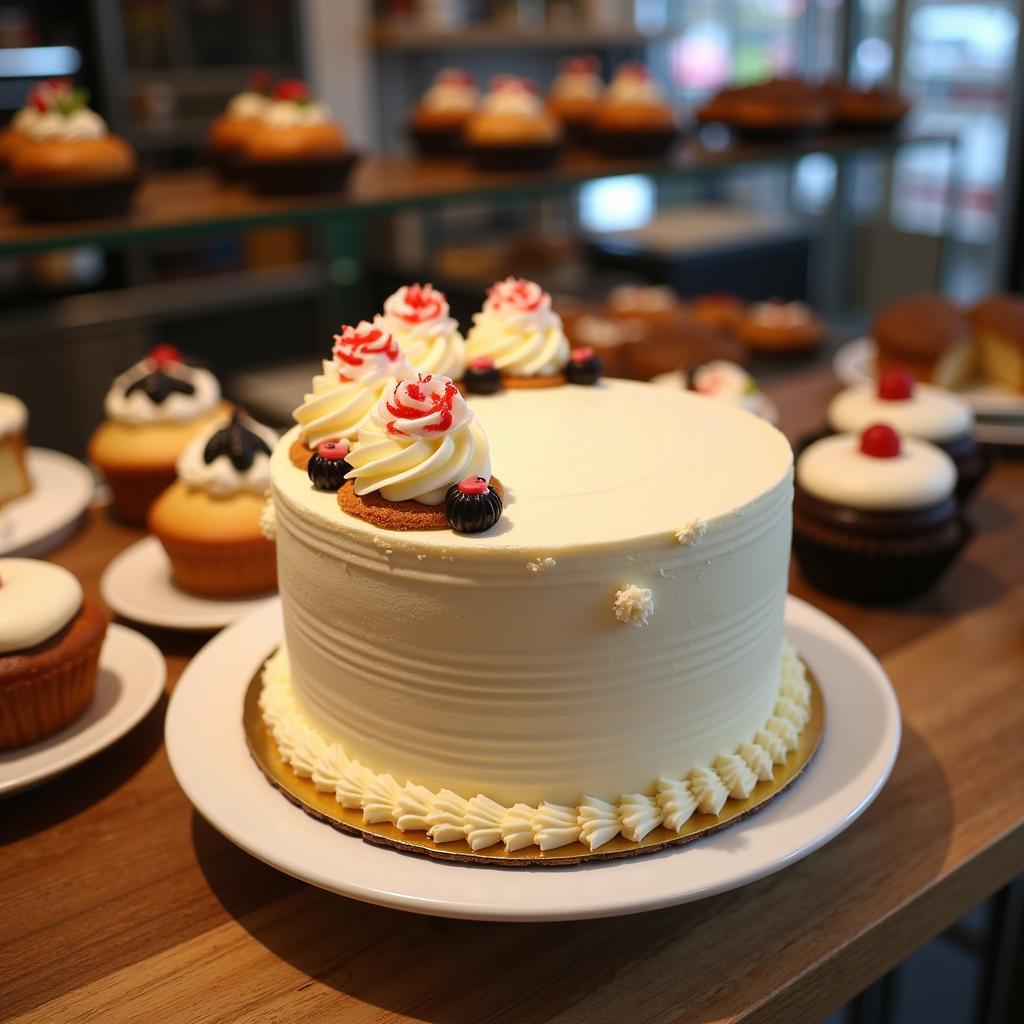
x: 119, y: 904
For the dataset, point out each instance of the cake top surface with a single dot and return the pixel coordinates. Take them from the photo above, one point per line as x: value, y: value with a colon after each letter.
x: 592, y: 466
x: 37, y: 600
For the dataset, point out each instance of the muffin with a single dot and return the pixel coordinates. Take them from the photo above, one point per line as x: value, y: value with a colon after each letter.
x: 438, y: 120
x: 296, y: 149
x: 575, y: 95
x: 668, y: 350
x: 511, y: 130
x: 209, y: 520
x: 417, y: 317
x: 726, y: 381
x: 915, y: 410
x: 777, y: 109
x: 38, y: 103
x: 655, y: 306
x: 875, y: 519
x: 779, y: 327
x: 718, y: 310
x: 69, y: 166
x: 153, y: 410
x: 927, y: 335
x: 998, y: 325
x: 230, y: 132
x: 50, y: 640
x: 633, y: 117
x: 14, y: 478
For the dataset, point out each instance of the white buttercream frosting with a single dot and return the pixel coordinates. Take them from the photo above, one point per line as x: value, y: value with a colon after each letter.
x: 834, y: 469
x: 510, y: 96
x: 779, y: 314
x: 13, y: 415
x: 578, y: 80
x: 74, y: 127
x: 24, y: 119
x: 727, y: 381
x: 519, y: 331
x: 289, y: 114
x: 37, y: 600
x: 632, y: 86
x: 453, y: 92
x: 248, y: 104
x: 138, y: 408
x: 220, y: 477
x: 931, y: 413
x: 417, y: 317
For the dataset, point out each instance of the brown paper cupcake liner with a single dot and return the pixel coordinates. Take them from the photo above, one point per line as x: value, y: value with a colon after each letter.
x: 134, y: 489
x: 228, y: 163
x: 314, y: 176
x: 225, y: 569
x: 437, y: 141
x: 642, y: 143
x: 540, y: 156
x: 86, y: 200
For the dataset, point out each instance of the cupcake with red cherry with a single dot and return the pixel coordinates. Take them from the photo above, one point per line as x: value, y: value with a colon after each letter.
x: 726, y: 381
x: 634, y: 118
x: 575, y: 94
x: 915, y: 410
x: 230, y: 133
x: 418, y: 318
x: 512, y: 130
x: 875, y: 516
x: 440, y: 116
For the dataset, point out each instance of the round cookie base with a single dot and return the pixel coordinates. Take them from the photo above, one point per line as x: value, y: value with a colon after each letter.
x: 324, y: 808
x: 397, y: 515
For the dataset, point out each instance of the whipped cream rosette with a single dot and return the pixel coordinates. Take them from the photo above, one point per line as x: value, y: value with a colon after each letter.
x: 632, y: 86
x: 519, y: 331
x: 229, y: 458
x: 726, y: 381
x: 366, y: 362
x: 417, y: 317
x: 422, y: 439
x: 577, y: 79
x: 453, y: 91
x: 161, y: 388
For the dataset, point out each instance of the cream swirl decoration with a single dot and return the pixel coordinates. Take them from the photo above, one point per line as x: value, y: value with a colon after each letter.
x: 292, y: 114
x: 632, y: 86
x: 453, y: 92
x: 512, y: 97
x: 37, y: 600
x: 417, y: 318
x: 220, y: 476
x: 578, y: 80
x: 519, y: 331
x: 127, y: 402
x: 54, y: 126
x: 422, y: 439
x: 728, y: 382
x: 248, y: 104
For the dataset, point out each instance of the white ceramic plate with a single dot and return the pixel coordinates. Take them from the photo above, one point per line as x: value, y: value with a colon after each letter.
x: 767, y: 409
x: 62, y: 489
x: 131, y: 679
x: 207, y: 750
x: 137, y: 584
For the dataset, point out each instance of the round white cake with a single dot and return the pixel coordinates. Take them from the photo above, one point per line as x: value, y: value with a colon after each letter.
x: 622, y: 624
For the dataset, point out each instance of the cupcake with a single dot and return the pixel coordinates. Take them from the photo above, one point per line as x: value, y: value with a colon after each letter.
x: 416, y: 316
x: 633, y: 117
x: 667, y: 350
x: 50, y: 640
x: 575, y: 95
x: 14, y: 478
x: 998, y: 325
x: 656, y: 306
x: 726, y: 381
x: 17, y: 131
x: 780, y: 327
x: 915, y: 410
x: 718, y: 310
x: 153, y: 410
x: 297, y: 149
x: 927, y: 335
x: 440, y: 117
x: 209, y: 519
x: 511, y: 130
x: 69, y: 166
x: 519, y: 334
x: 230, y: 133
x: 874, y: 515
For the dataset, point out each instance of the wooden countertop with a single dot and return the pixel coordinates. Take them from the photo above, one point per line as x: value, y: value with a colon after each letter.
x: 120, y: 904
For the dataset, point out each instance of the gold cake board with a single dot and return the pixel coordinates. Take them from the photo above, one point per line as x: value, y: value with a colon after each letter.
x: 325, y: 808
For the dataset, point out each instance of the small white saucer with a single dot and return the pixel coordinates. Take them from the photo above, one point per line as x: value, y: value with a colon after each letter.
x: 207, y: 749
x: 766, y: 408
x: 62, y: 489
x: 138, y: 585
x: 131, y: 679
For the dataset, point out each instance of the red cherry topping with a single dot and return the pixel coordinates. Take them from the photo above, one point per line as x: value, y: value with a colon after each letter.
x: 481, y: 363
x: 334, y: 449
x: 880, y: 441
x: 582, y: 354
x: 474, y: 485
x: 895, y: 384
x: 293, y: 89
x: 165, y: 355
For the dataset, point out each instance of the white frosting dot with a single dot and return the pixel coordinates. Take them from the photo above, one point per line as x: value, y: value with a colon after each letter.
x: 37, y: 600
x: 932, y: 413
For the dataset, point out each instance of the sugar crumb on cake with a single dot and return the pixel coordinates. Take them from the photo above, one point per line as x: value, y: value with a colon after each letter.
x: 691, y: 532
x: 538, y: 565
x: 634, y: 604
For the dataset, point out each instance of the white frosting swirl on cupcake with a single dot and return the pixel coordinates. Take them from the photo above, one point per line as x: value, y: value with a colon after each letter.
x: 453, y: 92
x: 511, y: 96
x: 137, y: 407
x: 417, y: 318
x: 221, y: 476
x: 290, y: 114
x: 247, y: 104
x: 78, y: 126
x: 423, y: 438
x: 577, y: 80
x: 835, y: 469
x: 37, y: 600
x: 13, y: 415
x: 931, y: 413
x: 518, y: 331
x: 632, y: 86
x: 728, y: 382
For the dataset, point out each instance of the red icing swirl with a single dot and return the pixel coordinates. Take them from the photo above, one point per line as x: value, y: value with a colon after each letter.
x: 417, y: 304
x: 516, y: 294
x: 361, y: 346
x: 430, y: 404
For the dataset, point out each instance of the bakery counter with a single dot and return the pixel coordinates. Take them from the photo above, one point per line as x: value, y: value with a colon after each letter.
x: 121, y: 904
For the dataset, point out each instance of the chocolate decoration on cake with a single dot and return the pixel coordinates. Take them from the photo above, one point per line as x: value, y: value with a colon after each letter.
x: 585, y: 366
x: 472, y: 505
x: 237, y: 442
x: 158, y: 386
x: 328, y: 465
x: 482, y: 377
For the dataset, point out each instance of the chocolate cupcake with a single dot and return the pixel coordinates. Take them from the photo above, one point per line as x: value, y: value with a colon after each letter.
x: 927, y: 335
x: 875, y: 519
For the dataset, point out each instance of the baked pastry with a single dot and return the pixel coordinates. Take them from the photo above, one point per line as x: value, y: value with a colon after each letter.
x: 998, y: 325
x: 521, y: 335
x: 726, y: 381
x: 439, y: 118
x: 511, y: 130
x: 633, y: 117
x: 606, y: 661
x: 69, y: 166
x: 667, y: 350
x: 718, y: 310
x: 14, y: 478
x: 50, y: 640
x: 927, y: 335
x: 210, y: 520
x: 153, y: 410
x: 778, y: 108
x: 780, y: 327
x: 230, y: 132
x: 874, y: 515
x: 915, y: 410
x: 297, y: 149
x: 417, y: 317
x: 38, y: 103
x: 874, y: 109
x: 575, y: 95
x: 656, y: 306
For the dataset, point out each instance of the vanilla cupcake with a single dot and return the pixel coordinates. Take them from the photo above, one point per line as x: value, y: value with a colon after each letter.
x: 633, y: 117
x: 14, y: 478
x: 575, y: 94
x: 38, y: 104
x: 153, y: 410
x: 230, y: 133
x: 50, y: 640
x: 727, y: 381
x: 417, y: 317
x: 209, y: 520
x: 440, y: 116
x: 511, y: 130
x: 519, y: 333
